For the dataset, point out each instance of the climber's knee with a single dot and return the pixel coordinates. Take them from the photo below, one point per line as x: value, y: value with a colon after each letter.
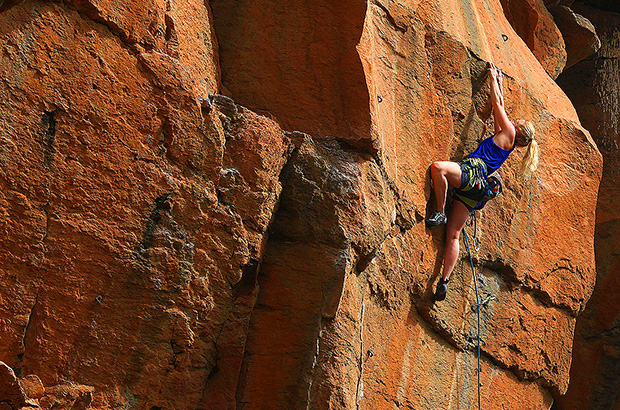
x: 437, y: 168
x: 453, y: 236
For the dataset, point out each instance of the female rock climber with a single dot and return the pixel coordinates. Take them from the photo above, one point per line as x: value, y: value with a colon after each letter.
x: 473, y: 179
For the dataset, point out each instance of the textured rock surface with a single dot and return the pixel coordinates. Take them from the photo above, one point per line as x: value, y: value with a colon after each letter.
x: 594, y: 87
x: 11, y: 393
x: 536, y: 27
x: 165, y: 247
x: 578, y: 32
x: 122, y: 243
x: 297, y: 61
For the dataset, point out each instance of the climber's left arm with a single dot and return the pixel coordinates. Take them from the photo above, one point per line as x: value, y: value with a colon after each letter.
x: 497, y: 96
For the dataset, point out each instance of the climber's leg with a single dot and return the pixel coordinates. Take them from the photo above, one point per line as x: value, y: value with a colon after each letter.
x: 456, y: 221
x: 458, y: 217
x: 442, y: 174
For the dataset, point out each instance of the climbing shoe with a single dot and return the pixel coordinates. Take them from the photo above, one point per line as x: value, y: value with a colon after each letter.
x: 442, y: 289
x: 437, y: 218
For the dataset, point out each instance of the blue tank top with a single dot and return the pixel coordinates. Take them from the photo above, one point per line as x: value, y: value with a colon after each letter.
x: 492, y: 155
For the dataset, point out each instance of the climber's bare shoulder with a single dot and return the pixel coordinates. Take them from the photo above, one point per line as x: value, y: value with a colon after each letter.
x: 505, y: 139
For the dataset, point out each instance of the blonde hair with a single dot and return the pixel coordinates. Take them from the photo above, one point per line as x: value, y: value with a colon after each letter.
x: 524, y: 133
x: 525, y: 136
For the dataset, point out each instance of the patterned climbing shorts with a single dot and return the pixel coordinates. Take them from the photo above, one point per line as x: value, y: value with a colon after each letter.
x: 476, y: 189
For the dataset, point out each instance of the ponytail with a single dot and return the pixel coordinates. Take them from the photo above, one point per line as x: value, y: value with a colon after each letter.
x: 530, y: 161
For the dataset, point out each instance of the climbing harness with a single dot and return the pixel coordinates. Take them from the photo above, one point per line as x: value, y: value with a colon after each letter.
x: 471, y: 261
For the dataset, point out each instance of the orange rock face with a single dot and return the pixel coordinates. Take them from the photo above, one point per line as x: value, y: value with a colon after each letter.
x: 164, y: 246
x: 125, y: 246
x: 297, y: 61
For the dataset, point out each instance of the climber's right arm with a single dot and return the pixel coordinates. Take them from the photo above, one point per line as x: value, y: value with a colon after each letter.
x: 501, y: 121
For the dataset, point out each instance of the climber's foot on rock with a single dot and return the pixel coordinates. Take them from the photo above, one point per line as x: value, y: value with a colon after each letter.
x: 436, y: 218
x: 442, y: 290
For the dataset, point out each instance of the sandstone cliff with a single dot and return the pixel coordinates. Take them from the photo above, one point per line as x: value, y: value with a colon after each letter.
x: 167, y: 247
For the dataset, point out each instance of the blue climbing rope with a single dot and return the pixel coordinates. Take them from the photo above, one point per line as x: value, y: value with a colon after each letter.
x: 471, y: 261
